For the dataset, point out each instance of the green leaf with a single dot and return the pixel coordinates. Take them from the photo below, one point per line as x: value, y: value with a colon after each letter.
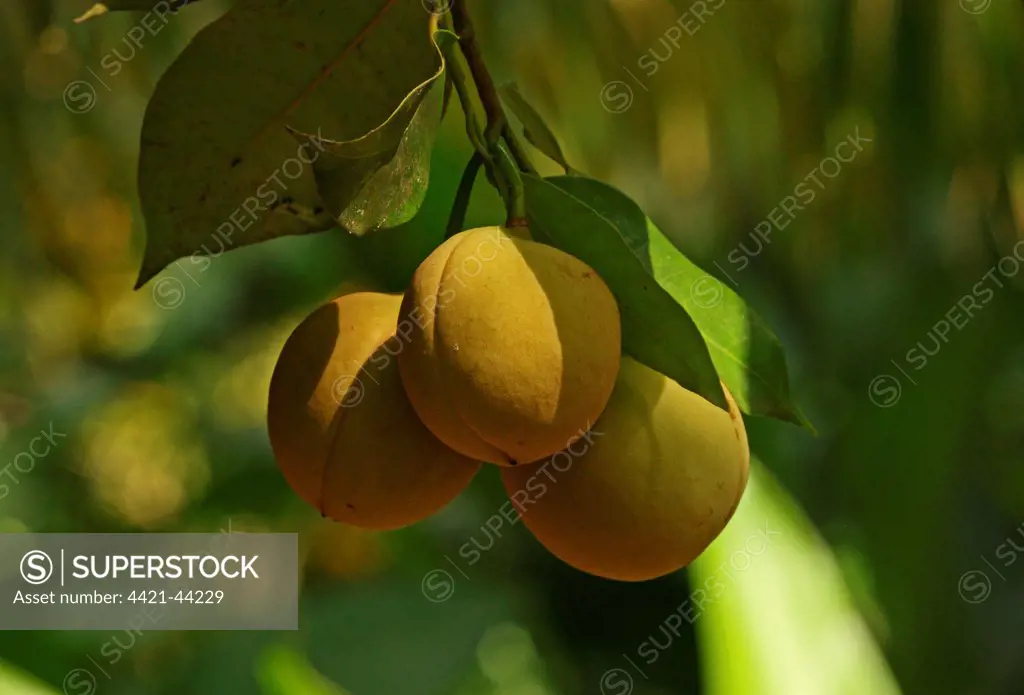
x: 655, y: 329
x: 380, y: 179
x: 535, y: 129
x: 772, y: 610
x: 219, y: 164
x: 159, y: 7
x: 747, y: 355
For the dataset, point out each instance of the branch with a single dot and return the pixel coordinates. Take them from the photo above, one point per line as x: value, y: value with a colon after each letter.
x: 484, y: 84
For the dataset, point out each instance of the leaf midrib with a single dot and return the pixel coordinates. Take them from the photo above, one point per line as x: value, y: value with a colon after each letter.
x: 324, y: 73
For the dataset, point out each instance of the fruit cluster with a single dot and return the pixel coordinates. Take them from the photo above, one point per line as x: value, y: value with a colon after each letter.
x: 507, y: 351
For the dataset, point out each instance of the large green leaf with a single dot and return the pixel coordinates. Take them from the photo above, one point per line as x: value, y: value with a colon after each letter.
x: 747, y: 355
x: 656, y: 330
x: 220, y: 165
x: 772, y: 609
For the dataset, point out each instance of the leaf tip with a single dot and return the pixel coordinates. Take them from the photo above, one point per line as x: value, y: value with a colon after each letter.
x: 149, y: 268
x: 804, y: 422
x: 142, y: 279
x: 96, y: 10
x: 794, y: 416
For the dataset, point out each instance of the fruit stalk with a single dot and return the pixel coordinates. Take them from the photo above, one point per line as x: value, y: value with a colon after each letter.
x: 462, y: 80
x: 498, y: 125
x: 518, y: 150
x: 512, y: 183
x: 481, y: 76
x: 457, y: 219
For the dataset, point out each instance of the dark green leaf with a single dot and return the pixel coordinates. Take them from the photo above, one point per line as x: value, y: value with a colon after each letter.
x: 655, y: 329
x: 218, y: 164
x: 746, y: 353
x: 535, y: 129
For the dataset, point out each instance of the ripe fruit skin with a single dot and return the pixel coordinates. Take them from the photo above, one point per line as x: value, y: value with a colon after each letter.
x: 657, y: 483
x: 343, y: 431
x: 513, y: 346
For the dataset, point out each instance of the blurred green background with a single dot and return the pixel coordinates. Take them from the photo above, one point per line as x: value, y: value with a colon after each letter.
x: 878, y: 557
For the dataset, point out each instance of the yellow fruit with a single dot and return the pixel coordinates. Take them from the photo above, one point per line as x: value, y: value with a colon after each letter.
x: 513, y: 346
x: 649, y: 489
x: 343, y: 431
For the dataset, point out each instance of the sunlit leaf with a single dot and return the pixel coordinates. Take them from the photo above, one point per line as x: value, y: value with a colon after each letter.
x: 746, y: 354
x: 14, y: 682
x: 656, y: 330
x: 772, y: 611
x: 219, y: 162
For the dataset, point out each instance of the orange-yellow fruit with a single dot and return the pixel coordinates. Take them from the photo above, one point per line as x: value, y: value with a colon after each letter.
x: 343, y: 431
x: 513, y: 346
x: 654, y: 483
